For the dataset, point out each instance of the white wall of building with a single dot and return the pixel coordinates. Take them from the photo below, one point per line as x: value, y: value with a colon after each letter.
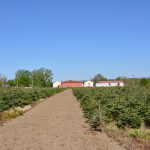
x: 56, y: 84
x: 88, y: 84
x: 109, y: 84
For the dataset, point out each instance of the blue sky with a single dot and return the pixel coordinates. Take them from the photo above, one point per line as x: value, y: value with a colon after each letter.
x: 76, y: 39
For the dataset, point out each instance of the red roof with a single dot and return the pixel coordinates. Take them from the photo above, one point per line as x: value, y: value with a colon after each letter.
x: 72, y: 81
x: 110, y: 82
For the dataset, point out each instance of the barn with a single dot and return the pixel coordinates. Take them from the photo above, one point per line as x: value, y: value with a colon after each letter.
x: 71, y: 83
x: 109, y: 83
x: 88, y: 84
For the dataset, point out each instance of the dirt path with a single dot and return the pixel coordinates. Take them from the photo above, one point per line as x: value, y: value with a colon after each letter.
x: 55, y: 124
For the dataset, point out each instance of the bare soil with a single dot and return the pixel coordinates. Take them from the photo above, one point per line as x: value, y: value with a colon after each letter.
x: 55, y: 124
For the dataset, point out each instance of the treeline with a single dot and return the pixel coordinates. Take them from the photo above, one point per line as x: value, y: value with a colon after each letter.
x: 145, y: 82
x: 43, y: 78
x: 24, y: 78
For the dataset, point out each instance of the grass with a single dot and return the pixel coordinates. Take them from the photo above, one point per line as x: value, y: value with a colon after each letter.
x: 10, y: 114
x: 129, y: 138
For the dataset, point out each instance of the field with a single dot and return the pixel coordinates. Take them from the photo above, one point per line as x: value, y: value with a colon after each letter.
x: 19, y: 97
x: 125, y: 109
x: 122, y: 112
x: 55, y: 124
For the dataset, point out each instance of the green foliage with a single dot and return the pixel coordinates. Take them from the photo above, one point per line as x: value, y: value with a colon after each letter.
x: 126, y: 106
x: 144, y: 82
x: 12, y: 83
x: 134, y: 133
x: 23, y: 78
x: 37, y: 78
x: 14, y: 97
x: 137, y: 133
x: 42, y: 77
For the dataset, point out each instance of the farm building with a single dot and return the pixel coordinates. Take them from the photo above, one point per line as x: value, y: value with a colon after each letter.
x: 71, y: 83
x: 56, y: 84
x: 109, y: 83
x: 88, y: 84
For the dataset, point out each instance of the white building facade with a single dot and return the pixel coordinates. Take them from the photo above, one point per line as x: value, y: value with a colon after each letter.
x: 88, y: 84
x: 109, y: 83
x: 56, y: 84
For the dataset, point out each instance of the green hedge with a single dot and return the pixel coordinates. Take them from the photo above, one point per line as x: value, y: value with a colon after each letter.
x: 14, y: 97
x: 127, y: 106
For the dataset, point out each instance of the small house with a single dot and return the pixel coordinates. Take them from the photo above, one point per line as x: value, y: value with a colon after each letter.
x: 56, y: 84
x: 88, y: 84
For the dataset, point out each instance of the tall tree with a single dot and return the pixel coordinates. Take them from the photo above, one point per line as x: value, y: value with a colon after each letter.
x: 23, y: 78
x: 98, y: 77
x: 42, y: 77
x: 121, y: 78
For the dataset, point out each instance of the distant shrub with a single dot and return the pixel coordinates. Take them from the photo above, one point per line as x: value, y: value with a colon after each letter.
x: 144, y: 82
